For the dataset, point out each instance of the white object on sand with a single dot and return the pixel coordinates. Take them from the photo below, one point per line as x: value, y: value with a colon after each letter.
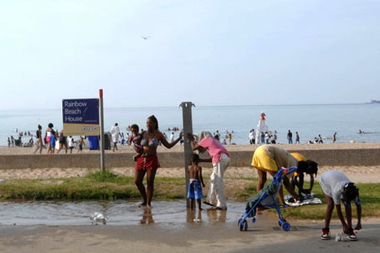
x: 98, y: 217
x: 309, y: 200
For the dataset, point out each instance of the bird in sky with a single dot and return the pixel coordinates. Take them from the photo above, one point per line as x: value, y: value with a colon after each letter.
x: 145, y: 37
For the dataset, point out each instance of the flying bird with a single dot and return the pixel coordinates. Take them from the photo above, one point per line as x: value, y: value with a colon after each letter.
x: 145, y: 37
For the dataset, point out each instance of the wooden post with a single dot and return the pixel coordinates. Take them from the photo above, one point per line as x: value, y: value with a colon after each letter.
x: 187, y: 127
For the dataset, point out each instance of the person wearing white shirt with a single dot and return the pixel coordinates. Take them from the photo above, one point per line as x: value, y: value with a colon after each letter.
x: 338, y: 188
x: 115, y: 133
x: 171, y: 139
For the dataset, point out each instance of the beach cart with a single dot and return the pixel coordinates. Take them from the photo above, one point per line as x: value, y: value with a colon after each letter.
x: 266, y: 198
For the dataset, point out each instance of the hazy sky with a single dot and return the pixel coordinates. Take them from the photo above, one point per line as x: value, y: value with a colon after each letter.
x: 210, y: 52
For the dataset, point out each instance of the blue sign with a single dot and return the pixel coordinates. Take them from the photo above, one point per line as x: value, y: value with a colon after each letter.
x: 80, y: 111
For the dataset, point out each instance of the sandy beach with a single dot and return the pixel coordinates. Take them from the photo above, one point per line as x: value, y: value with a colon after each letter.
x: 357, y: 173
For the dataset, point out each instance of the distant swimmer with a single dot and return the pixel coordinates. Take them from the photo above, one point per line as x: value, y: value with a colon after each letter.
x: 361, y: 132
x: 145, y: 37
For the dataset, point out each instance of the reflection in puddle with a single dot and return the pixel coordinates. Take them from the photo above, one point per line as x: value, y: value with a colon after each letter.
x: 194, y: 216
x: 121, y: 212
x: 147, y: 216
x: 216, y: 215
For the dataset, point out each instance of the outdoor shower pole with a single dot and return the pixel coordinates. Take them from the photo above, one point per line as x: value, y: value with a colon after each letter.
x: 187, y: 127
x: 102, y: 142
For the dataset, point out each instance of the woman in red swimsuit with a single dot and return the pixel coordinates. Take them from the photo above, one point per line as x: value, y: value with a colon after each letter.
x: 148, y: 162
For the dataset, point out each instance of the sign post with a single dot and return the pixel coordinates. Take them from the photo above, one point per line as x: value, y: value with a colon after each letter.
x: 81, y: 116
x: 102, y: 142
x: 187, y: 127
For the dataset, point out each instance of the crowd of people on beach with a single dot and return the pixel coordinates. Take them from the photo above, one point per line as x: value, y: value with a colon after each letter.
x: 227, y: 136
x: 12, y: 141
x: 117, y: 137
x: 269, y: 137
x: 47, y: 140
x: 264, y: 136
x: 54, y: 141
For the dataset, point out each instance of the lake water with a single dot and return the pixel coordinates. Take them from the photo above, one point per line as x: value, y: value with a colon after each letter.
x: 308, y: 120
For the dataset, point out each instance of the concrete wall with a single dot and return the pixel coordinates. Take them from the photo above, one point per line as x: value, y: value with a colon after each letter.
x: 324, y: 157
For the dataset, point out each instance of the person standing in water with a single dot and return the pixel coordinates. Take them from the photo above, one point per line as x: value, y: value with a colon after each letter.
x: 147, y: 163
x: 195, y: 181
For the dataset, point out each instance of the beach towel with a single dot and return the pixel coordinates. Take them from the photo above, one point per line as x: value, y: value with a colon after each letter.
x: 308, y: 199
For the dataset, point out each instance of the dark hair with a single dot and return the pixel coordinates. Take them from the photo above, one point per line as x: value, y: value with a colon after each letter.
x: 50, y: 125
x: 350, y: 191
x: 39, y: 126
x: 154, y: 119
x: 195, y: 158
x: 135, y: 126
x: 309, y: 167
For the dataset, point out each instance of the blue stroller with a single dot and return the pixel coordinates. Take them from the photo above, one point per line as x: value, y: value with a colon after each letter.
x: 266, y: 197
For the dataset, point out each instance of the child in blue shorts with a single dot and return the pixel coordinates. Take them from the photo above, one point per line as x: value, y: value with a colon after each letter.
x: 196, y: 179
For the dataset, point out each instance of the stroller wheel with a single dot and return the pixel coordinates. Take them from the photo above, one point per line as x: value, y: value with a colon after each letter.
x: 286, y: 226
x: 243, y: 225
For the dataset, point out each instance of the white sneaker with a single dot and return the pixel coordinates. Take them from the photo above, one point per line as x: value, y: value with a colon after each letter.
x: 351, y: 236
x: 325, y: 234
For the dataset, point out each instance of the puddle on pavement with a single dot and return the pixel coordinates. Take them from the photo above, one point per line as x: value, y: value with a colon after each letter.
x: 163, y: 213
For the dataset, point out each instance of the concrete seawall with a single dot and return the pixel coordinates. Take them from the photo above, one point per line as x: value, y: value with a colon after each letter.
x: 325, y: 155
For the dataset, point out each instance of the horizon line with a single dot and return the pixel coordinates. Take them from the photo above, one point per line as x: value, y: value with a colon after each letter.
x: 167, y: 106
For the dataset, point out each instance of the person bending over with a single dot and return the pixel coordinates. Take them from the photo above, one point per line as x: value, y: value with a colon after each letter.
x: 298, y: 176
x: 270, y: 159
x: 220, y: 159
x: 338, y: 188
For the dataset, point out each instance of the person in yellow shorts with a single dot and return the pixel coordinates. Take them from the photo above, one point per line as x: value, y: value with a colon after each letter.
x: 270, y: 159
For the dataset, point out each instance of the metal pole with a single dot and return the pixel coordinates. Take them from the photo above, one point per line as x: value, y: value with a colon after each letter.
x: 102, y: 142
x: 187, y: 127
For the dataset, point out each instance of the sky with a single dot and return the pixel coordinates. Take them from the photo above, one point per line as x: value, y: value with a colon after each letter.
x: 148, y: 53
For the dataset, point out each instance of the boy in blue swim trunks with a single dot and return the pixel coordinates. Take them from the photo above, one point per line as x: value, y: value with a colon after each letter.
x: 196, y: 179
